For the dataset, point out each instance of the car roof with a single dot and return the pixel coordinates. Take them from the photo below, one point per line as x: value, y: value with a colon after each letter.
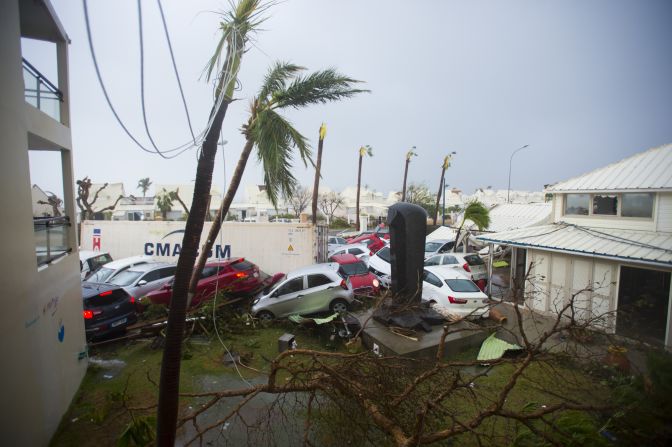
x: 224, y: 262
x: 150, y: 266
x: 90, y: 289
x: 329, y: 267
x: 446, y: 272
x: 345, y: 258
x: 126, y: 261
x: 442, y: 241
x: 356, y: 245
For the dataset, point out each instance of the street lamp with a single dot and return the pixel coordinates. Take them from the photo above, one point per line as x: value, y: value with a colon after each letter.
x: 508, y: 188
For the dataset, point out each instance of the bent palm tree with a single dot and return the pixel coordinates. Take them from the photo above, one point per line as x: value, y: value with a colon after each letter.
x: 477, y: 213
x: 275, y: 137
x: 444, y: 166
x: 410, y: 154
x: 236, y: 26
x: 143, y: 185
x: 318, y: 169
x: 364, y: 150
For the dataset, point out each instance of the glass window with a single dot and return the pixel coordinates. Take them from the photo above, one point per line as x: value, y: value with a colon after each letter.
x: 605, y: 205
x: 101, y: 275
x: 208, y: 271
x: 166, y: 272
x: 433, y: 246
x: 125, y: 278
x: 291, y: 286
x: 637, y: 205
x: 317, y: 280
x: 462, y: 285
x: 356, y: 268
x: 474, y: 260
x: 340, y: 240
x: 577, y: 204
x: 356, y: 251
x: 152, y: 276
x: 99, y: 261
x: 434, y: 260
x: 384, y: 254
x: 242, y: 266
x: 447, y: 259
x: 431, y: 278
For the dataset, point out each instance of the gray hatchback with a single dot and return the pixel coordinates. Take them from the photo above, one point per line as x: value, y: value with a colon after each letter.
x: 139, y: 280
x: 308, y: 290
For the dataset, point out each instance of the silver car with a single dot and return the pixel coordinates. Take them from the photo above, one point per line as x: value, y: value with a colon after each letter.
x: 139, y: 280
x: 335, y: 243
x: 308, y: 290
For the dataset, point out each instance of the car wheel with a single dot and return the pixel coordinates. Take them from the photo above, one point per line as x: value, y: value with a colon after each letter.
x: 338, y: 306
x: 265, y: 316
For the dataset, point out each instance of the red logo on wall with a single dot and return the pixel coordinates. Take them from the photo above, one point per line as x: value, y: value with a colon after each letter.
x: 96, y: 239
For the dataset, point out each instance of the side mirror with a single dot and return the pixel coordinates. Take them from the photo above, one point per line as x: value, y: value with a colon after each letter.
x: 142, y: 282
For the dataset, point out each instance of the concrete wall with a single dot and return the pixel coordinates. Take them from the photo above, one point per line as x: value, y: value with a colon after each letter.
x: 41, y: 324
x: 274, y: 247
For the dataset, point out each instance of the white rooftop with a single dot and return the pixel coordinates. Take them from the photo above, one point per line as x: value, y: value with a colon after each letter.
x: 646, y: 170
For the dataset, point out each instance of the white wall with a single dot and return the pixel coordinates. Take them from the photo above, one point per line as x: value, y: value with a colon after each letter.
x: 622, y: 223
x: 274, y: 247
x: 664, y: 212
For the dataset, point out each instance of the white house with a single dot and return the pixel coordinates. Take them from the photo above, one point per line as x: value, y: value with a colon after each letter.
x: 43, y: 347
x: 611, y: 231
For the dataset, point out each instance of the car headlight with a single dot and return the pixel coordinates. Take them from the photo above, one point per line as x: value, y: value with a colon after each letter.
x: 255, y: 301
x: 376, y: 283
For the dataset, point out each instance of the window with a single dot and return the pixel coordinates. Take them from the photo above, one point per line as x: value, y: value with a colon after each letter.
x: 242, y: 266
x: 208, y: 272
x: 291, y: 286
x: 165, y: 273
x: 473, y: 260
x: 447, y: 259
x: 637, y: 205
x: 152, y: 276
x: 355, y: 251
x: 431, y: 278
x: 356, y: 268
x: 432, y: 246
x: 606, y: 205
x: 434, y: 260
x: 340, y: 240
x: 384, y: 254
x: 577, y: 204
x: 317, y: 281
x: 99, y: 261
x: 462, y: 285
x: 125, y: 278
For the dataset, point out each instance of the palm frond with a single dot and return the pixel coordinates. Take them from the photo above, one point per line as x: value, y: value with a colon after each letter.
x: 478, y: 213
x: 277, y: 77
x: 410, y: 154
x: 275, y: 138
x: 316, y: 88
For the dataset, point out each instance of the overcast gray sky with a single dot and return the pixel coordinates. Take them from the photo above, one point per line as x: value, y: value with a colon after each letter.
x: 583, y: 83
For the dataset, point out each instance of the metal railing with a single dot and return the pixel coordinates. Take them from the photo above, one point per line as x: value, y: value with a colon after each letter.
x: 51, y: 238
x: 40, y: 92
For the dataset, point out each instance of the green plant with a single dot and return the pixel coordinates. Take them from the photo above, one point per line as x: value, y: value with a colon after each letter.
x: 138, y: 432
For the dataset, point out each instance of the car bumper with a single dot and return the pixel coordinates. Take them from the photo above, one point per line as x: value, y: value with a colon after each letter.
x: 118, y: 323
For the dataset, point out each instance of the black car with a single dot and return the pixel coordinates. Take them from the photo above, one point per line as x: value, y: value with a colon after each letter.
x: 107, y: 309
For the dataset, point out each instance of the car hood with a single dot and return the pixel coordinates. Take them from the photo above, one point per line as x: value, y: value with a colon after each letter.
x: 361, y: 280
x: 380, y: 265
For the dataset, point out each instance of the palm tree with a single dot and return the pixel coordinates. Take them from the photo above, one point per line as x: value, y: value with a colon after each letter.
x: 318, y: 170
x: 476, y: 212
x: 364, y: 150
x: 444, y: 166
x: 164, y: 202
x: 410, y: 154
x: 144, y: 184
x: 237, y: 27
x: 275, y: 137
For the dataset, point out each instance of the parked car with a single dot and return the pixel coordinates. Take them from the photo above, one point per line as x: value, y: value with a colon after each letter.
x: 312, y: 289
x: 335, y: 243
x: 107, y: 271
x: 379, y: 265
x: 373, y: 242
x: 362, y: 281
x: 107, y: 309
x: 91, y: 261
x: 359, y: 250
x: 454, y: 291
x: 141, y: 279
x: 471, y: 263
x: 438, y: 246
x: 235, y: 276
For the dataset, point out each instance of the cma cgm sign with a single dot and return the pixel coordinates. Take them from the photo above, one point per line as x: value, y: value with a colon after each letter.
x: 168, y: 249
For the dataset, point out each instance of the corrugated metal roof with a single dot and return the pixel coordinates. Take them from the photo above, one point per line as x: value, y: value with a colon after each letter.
x: 626, y: 245
x: 510, y: 216
x: 441, y: 233
x: 647, y: 170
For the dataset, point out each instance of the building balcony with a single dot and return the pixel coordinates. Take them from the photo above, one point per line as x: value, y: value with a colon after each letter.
x: 40, y: 92
x: 51, y: 238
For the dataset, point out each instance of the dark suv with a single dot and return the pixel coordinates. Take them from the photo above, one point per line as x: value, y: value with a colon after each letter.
x: 107, y: 309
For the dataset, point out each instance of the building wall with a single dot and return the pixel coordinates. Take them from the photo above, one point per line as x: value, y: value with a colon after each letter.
x: 274, y: 247
x: 664, y: 212
x: 41, y: 324
x: 617, y: 222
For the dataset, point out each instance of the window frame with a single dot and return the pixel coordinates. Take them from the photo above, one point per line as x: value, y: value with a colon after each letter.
x: 619, y: 210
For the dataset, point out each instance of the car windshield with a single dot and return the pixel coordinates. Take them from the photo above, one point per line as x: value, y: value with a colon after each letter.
x: 384, y: 254
x: 356, y: 268
x: 101, y: 275
x: 125, y: 278
x: 340, y: 240
x: 474, y: 260
x: 462, y: 285
x: 433, y: 246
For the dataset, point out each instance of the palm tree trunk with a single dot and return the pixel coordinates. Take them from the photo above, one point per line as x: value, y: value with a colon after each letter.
x: 316, y: 183
x: 403, y: 189
x: 169, y: 384
x: 457, y: 235
x: 221, y: 214
x: 438, y: 195
x: 359, y: 184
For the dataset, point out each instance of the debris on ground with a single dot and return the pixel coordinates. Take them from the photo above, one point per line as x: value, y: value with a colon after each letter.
x: 493, y: 348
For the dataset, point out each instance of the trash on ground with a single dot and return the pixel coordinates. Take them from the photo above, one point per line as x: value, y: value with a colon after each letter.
x: 493, y: 348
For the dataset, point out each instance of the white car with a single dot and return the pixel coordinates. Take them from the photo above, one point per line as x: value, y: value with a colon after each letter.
x: 437, y: 246
x: 360, y: 250
x: 471, y: 263
x: 379, y: 265
x: 454, y: 291
x: 91, y: 261
x: 335, y: 242
x: 109, y: 270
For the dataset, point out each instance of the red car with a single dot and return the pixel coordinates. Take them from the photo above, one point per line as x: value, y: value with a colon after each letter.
x: 373, y: 242
x: 236, y: 276
x: 355, y: 271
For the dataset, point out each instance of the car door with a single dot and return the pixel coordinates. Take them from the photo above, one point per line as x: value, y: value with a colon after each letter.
x: 286, y: 299
x: 154, y: 280
x: 318, y: 293
x: 144, y: 283
x: 431, y: 288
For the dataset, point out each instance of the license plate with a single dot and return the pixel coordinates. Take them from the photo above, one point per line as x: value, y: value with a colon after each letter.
x: 118, y: 322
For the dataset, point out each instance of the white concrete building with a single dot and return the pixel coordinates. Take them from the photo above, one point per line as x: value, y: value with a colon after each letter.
x: 42, y: 345
x: 611, y: 232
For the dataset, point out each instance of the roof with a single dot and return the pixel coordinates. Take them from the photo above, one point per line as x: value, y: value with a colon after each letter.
x: 441, y: 233
x: 648, y: 170
x: 315, y: 268
x: 345, y: 258
x: 510, y: 216
x: 645, y: 247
